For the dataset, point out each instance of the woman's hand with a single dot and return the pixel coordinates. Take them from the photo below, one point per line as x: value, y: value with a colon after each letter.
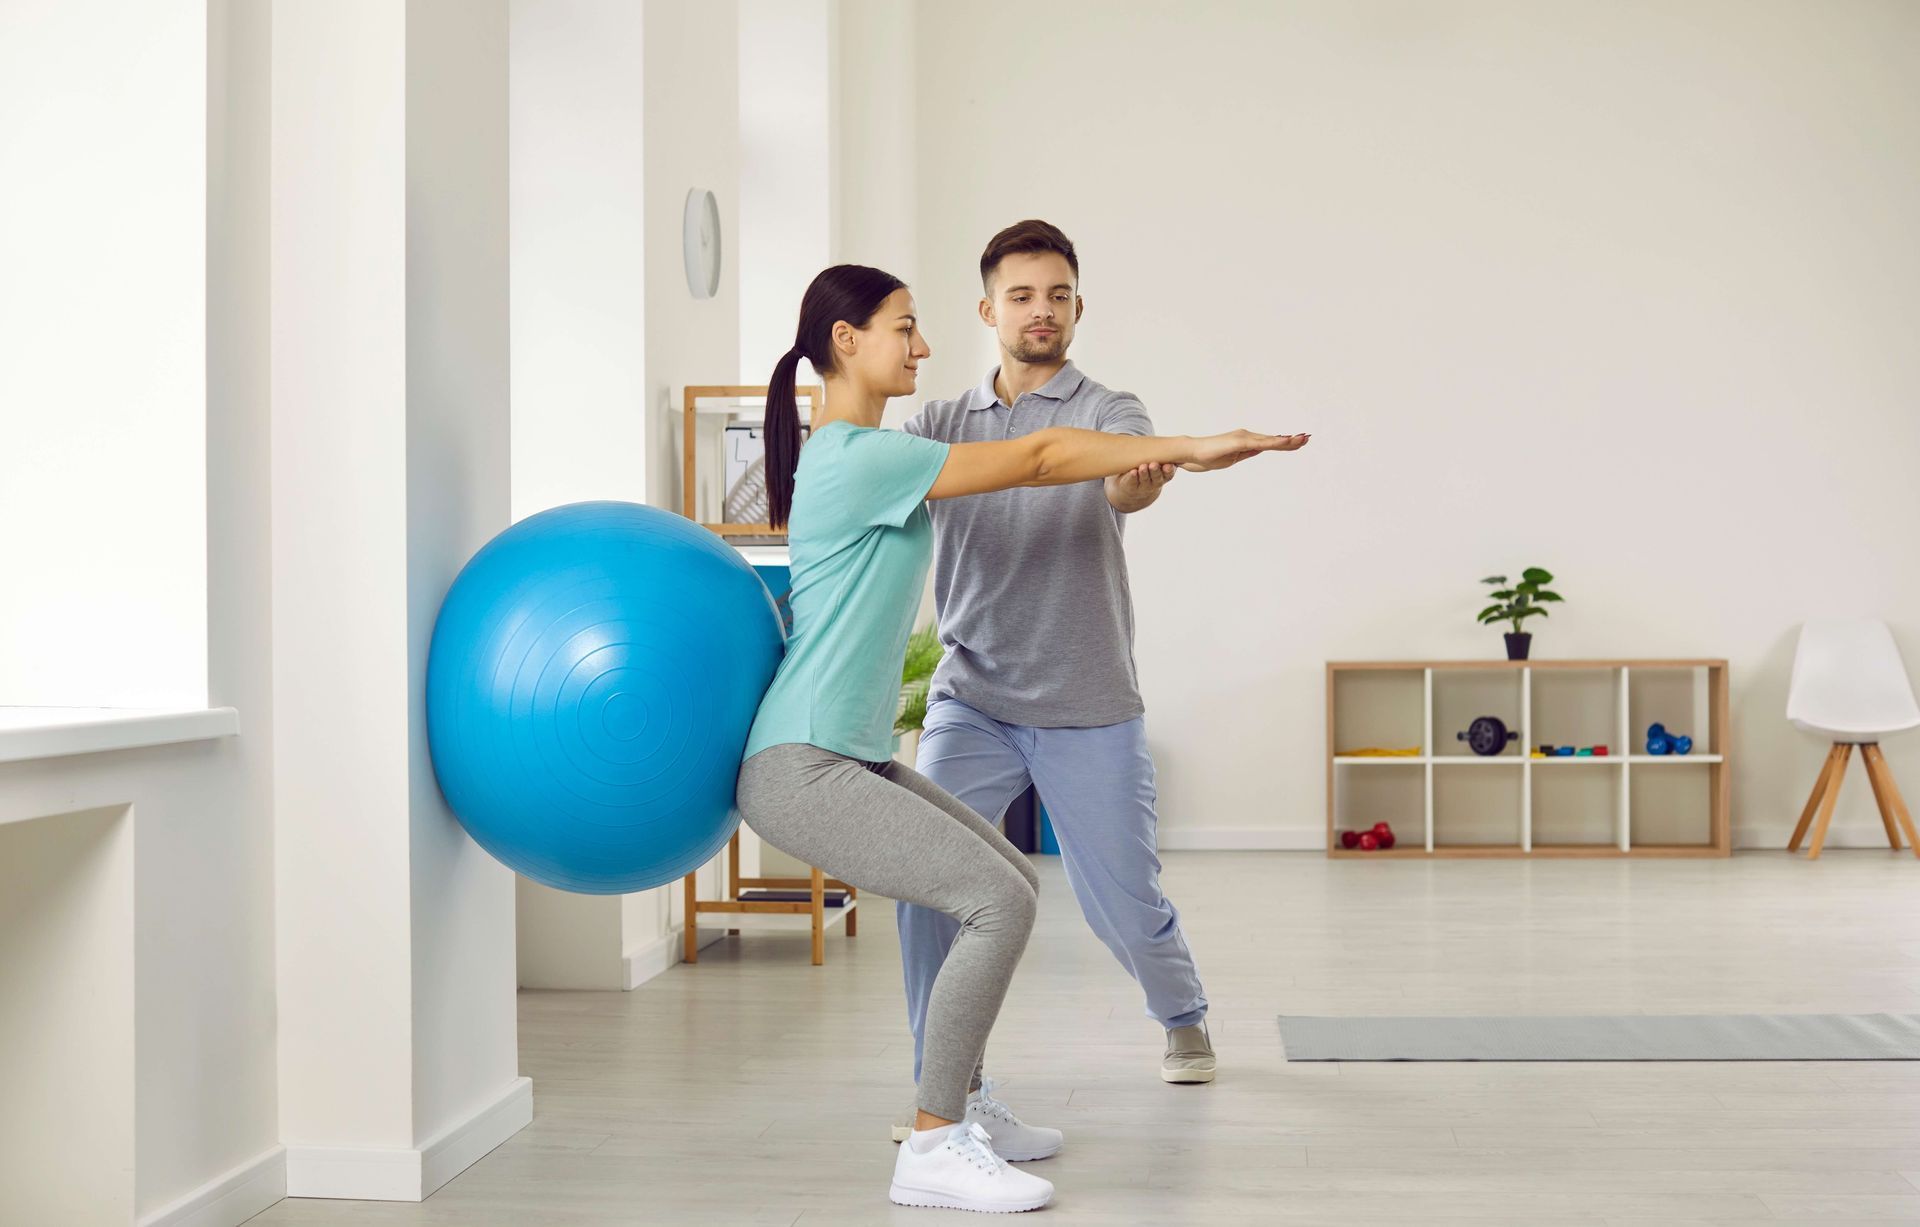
x: 1213, y: 452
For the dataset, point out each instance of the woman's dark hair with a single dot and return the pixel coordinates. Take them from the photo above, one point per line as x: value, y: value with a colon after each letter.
x: 1032, y: 235
x: 850, y: 292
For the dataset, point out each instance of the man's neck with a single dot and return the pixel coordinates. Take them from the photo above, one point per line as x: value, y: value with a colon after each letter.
x: 1017, y: 378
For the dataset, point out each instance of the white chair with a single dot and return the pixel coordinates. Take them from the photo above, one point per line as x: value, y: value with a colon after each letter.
x: 1850, y: 687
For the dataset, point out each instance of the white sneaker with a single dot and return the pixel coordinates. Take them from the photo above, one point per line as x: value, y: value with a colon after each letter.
x: 1012, y: 1139
x: 962, y: 1173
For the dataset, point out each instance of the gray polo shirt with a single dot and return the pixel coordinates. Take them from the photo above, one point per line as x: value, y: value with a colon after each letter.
x: 1031, y: 584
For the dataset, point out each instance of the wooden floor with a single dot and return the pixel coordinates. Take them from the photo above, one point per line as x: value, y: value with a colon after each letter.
x: 755, y: 1089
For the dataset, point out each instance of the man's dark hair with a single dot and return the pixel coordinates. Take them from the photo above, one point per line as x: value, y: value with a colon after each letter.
x: 1028, y: 236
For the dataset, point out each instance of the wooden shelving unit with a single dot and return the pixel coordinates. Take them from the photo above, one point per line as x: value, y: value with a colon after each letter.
x: 1448, y: 802
x: 769, y: 914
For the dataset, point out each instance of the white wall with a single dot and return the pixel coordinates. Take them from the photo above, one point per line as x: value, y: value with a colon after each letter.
x: 102, y: 331
x: 785, y: 232
x: 877, y: 137
x: 579, y: 259
x: 66, y: 1018
x: 1622, y: 290
x: 390, y: 468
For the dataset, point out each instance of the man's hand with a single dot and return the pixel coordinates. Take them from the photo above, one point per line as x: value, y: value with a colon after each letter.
x: 1136, y: 489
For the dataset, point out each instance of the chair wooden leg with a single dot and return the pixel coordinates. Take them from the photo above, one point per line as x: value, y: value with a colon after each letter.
x: 692, y: 952
x: 1826, y: 806
x: 1887, y: 793
x: 1820, y: 784
x: 1879, y: 795
x: 819, y: 918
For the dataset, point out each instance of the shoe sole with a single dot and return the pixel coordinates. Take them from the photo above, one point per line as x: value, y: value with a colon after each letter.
x: 1186, y: 1075
x: 902, y: 1196
x: 902, y: 1132
x: 1032, y: 1158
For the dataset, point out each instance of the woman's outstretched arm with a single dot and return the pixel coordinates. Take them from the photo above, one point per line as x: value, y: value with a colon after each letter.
x: 1062, y: 455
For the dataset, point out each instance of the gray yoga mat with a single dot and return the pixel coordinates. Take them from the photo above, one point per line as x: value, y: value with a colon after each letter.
x: 1618, y: 1037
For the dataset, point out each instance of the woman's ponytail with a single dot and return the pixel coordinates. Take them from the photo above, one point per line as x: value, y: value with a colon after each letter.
x: 782, y: 438
x: 848, y: 293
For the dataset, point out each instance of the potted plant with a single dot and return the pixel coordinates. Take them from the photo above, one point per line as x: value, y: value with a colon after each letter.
x: 924, y: 652
x: 1516, y: 604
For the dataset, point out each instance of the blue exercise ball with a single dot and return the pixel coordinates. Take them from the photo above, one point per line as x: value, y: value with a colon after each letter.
x: 592, y: 678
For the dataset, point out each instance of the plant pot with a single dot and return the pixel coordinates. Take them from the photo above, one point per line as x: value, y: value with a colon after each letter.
x: 1517, y: 645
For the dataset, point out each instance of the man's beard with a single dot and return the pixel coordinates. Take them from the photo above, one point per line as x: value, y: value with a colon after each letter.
x: 1032, y: 351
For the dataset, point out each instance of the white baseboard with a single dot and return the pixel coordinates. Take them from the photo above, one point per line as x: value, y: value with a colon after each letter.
x: 228, y: 1200
x: 652, y: 959
x: 462, y: 1145
x: 663, y: 952
x: 1241, y: 839
x: 380, y: 1174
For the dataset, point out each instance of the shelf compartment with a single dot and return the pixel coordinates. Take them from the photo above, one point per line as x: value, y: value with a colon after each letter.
x: 1671, y: 805
x: 1477, y: 809
x: 1395, y: 794
x: 1462, y: 695
x: 1682, y: 698
x: 1575, y: 707
x: 1377, y: 708
x: 1575, y: 809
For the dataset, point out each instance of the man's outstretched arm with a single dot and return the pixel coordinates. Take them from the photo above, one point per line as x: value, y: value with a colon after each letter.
x: 1138, y: 489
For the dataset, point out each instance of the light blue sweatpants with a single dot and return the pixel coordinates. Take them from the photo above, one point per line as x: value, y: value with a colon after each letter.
x: 1098, y: 786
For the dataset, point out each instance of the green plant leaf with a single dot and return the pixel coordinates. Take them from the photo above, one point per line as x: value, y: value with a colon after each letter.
x: 1489, y: 611
x: 1505, y: 594
x: 1494, y: 579
x: 913, y: 708
x: 1534, y: 575
x: 1531, y: 611
x: 1544, y: 595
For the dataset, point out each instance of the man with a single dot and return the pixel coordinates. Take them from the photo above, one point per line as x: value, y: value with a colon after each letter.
x: 1038, y: 685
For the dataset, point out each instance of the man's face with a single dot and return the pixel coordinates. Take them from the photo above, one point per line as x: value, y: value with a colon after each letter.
x: 1033, y: 306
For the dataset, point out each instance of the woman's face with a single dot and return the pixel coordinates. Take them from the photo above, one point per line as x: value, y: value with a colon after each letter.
x: 886, y: 354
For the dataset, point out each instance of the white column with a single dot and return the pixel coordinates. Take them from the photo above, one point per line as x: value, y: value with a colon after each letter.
x: 389, y: 294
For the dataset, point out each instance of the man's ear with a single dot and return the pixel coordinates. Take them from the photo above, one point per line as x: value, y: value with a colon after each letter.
x: 986, y: 313
x: 1079, y: 308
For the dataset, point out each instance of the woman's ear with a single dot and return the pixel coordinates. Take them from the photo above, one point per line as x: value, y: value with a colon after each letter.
x: 843, y: 338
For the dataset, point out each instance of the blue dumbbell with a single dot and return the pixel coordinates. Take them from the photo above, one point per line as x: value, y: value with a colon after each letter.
x: 1660, y: 741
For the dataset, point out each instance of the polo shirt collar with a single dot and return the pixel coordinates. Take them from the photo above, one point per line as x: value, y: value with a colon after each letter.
x: 1065, y: 382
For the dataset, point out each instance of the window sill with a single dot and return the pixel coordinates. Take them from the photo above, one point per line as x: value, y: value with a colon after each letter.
x: 55, y: 732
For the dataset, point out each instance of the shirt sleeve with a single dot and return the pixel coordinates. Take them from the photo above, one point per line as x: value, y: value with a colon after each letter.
x: 917, y: 425
x: 889, y: 473
x: 1125, y: 415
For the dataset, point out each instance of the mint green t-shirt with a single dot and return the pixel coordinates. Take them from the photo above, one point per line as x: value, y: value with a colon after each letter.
x: 860, y: 543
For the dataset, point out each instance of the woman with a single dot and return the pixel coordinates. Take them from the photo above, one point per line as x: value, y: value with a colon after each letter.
x: 818, y: 781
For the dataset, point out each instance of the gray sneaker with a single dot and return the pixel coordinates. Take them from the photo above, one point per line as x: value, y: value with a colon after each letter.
x: 1189, y: 1055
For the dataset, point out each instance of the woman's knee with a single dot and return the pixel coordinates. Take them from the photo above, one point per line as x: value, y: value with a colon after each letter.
x: 1008, y: 904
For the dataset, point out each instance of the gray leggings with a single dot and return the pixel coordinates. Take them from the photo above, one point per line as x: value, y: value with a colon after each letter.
x: 885, y: 828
